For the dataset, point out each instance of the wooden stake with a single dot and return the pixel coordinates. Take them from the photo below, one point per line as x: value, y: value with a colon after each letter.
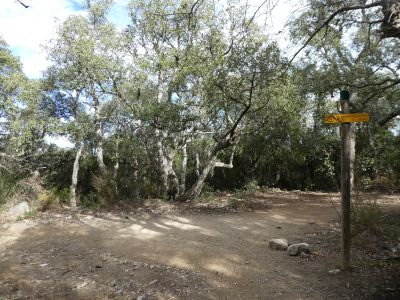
x: 345, y: 183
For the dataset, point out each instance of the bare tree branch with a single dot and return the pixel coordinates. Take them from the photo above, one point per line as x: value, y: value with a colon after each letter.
x: 23, y: 4
x: 394, y: 113
x: 330, y: 18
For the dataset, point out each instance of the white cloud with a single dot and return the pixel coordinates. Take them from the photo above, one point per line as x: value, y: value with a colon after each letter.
x: 59, y: 140
x: 26, y: 29
x: 274, y: 16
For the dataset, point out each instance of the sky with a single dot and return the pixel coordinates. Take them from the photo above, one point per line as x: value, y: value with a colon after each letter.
x: 26, y: 30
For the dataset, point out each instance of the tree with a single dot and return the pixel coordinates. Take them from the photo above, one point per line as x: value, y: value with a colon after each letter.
x: 86, y: 65
x: 204, y: 82
x: 365, y: 64
x: 25, y: 120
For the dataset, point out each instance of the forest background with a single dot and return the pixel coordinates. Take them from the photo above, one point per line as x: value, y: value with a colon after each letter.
x: 192, y: 97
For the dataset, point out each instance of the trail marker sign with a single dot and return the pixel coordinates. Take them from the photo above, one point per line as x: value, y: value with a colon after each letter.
x: 345, y: 118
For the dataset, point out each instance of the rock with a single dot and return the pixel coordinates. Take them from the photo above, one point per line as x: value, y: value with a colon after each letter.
x: 153, y: 282
x: 396, y: 248
x: 305, y: 255
x: 296, y: 249
x: 335, y: 271
x: 83, y: 284
x: 278, y: 244
x: 120, y: 291
x: 18, y: 210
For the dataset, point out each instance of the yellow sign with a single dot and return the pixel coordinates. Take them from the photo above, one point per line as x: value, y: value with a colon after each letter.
x: 346, y: 118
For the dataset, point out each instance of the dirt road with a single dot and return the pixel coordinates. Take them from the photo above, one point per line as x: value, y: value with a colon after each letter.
x: 192, y: 255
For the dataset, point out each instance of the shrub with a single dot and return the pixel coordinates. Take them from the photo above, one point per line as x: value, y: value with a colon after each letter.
x: 365, y: 215
x: 251, y: 186
x: 104, y: 186
x: 31, y: 214
x: 63, y: 195
x: 6, y: 187
x: 55, y: 197
x: 89, y: 201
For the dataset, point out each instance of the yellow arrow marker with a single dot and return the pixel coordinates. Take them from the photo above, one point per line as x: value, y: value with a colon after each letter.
x: 346, y: 118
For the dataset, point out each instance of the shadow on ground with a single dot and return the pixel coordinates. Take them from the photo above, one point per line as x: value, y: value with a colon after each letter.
x: 190, y: 256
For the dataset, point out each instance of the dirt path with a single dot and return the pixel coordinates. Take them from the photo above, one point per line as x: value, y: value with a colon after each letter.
x: 175, y: 256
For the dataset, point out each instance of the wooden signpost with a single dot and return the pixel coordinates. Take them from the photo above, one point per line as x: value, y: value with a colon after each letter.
x: 345, y: 118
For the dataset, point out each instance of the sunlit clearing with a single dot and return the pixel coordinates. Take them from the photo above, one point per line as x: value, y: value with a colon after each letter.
x: 140, y: 232
x: 185, y: 226
x: 220, y: 268
x: 161, y: 226
x: 180, y: 263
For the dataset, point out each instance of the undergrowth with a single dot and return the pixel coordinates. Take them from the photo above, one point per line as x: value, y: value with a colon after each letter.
x: 31, y: 214
x: 365, y: 215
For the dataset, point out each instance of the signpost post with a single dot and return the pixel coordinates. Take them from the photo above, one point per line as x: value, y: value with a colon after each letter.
x: 344, y: 118
x: 345, y: 180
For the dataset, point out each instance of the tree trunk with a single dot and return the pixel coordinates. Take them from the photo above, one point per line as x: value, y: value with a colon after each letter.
x: 197, y: 165
x: 196, y: 189
x: 99, y: 135
x: 135, y: 178
x: 162, y: 165
x: 182, y: 188
x: 75, y: 171
x: 116, y: 167
x: 391, y: 20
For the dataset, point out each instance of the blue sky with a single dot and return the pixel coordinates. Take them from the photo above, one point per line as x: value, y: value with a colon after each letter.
x: 27, y: 30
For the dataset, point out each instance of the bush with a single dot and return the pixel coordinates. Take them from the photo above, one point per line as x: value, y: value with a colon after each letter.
x: 251, y: 186
x: 63, y: 195
x: 31, y: 214
x: 104, y: 186
x: 27, y: 189
x: 6, y: 187
x: 383, y: 183
x: 55, y: 197
x: 89, y: 201
x: 365, y: 215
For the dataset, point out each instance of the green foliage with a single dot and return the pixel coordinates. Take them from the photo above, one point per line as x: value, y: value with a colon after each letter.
x: 377, y: 165
x: 62, y: 195
x: 365, y: 215
x: 53, y: 198
x: 173, y: 80
x: 104, y: 185
x: 251, y: 186
x: 89, y: 200
x: 7, y: 183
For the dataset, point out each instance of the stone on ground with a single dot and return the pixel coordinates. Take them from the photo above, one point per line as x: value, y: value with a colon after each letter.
x: 18, y: 210
x: 278, y: 244
x: 296, y: 249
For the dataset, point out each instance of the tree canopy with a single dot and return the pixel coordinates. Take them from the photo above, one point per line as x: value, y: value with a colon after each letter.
x: 195, y: 95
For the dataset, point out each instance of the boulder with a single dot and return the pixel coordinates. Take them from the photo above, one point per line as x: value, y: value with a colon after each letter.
x: 278, y: 244
x: 18, y: 210
x: 296, y: 249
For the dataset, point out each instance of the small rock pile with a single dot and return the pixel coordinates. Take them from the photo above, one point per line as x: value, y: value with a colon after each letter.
x: 302, y: 249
